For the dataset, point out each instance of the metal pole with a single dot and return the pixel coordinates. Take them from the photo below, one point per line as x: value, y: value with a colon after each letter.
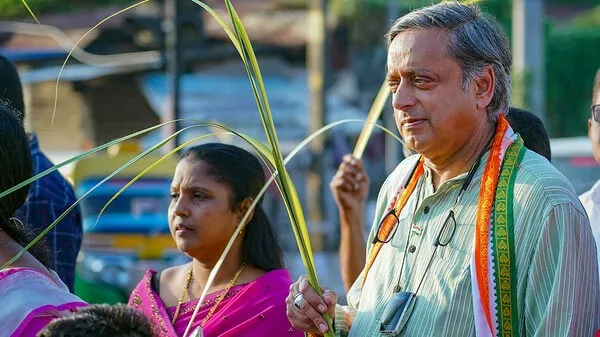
x: 316, y: 62
x: 173, y: 57
x: 528, y: 55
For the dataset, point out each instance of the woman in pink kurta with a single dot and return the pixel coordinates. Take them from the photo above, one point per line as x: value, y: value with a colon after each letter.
x: 31, y: 299
x: 31, y: 294
x: 212, y: 189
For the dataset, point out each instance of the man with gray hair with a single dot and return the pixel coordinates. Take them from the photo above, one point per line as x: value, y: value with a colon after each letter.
x: 475, y: 235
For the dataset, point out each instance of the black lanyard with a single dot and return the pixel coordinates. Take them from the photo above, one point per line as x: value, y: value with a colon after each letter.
x: 450, y: 217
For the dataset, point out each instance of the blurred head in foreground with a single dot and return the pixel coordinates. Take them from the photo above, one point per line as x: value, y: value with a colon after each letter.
x: 100, y: 320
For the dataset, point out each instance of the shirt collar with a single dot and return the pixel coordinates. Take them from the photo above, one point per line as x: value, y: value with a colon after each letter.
x: 34, y: 145
x: 461, y: 177
x: 595, y: 193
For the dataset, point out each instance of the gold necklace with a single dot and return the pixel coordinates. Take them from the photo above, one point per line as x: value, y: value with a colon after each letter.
x: 217, y: 302
x: 180, y: 301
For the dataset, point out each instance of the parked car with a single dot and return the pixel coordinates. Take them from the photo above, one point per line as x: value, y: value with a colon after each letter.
x: 573, y: 157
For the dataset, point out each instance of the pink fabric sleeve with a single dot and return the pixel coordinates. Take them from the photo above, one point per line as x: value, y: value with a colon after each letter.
x: 31, y: 328
x: 37, y: 319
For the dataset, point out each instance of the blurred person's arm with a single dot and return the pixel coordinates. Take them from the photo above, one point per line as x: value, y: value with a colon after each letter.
x: 350, y: 187
x: 49, y: 197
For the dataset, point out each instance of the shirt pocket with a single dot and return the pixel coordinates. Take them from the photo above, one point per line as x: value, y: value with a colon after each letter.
x: 460, y: 246
x: 457, y: 271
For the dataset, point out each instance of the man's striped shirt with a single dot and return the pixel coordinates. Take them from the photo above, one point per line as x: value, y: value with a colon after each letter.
x: 558, y: 286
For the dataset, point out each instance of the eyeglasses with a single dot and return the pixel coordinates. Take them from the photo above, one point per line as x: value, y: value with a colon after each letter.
x: 400, y: 307
x: 389, y: 223
x: 447, y: 231
x: 390, y: 220
x: 596, y: 113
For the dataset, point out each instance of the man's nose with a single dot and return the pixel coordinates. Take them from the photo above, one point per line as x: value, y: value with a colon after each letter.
x: 404, y: 96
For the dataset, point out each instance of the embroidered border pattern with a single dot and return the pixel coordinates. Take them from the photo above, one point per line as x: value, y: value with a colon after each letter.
x: 484, y: 208
x: 204, y: 304
x: 162, y: 326
x: 503, y: 244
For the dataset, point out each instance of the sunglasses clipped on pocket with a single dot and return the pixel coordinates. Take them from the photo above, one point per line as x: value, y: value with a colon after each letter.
x: 397, y: 312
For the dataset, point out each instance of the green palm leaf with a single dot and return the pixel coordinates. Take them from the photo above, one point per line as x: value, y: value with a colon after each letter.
x: 81, y: 156
x: 263, y: 153
x: 290, y: 195
x: 374, y: 113
x: 271, y: 154
x: 30, y: 11
x: 70, y: 208
x: 262, y: 150
x: 77, y: 44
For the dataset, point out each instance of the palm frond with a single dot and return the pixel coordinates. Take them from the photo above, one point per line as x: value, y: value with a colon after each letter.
x: 30, y: 11
x: 374, y: 113
x: 77, y: 44
x: 81, y: 156
x: 71, y: 207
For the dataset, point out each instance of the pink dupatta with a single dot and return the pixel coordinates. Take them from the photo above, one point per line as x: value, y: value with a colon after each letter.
x: 253, y: 309
x: 31, y: 299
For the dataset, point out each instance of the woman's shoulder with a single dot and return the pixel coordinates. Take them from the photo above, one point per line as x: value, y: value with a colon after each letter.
x: 275, y: 282
x: 169, y: 283
x: 280, y: 276
x: 266, y: 296
x: 170, y: 274
x: 146, y: 277
x: 167, y: 275
x: 148, y: 287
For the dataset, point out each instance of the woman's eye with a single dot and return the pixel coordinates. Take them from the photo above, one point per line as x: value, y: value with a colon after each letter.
x: 174, y: 195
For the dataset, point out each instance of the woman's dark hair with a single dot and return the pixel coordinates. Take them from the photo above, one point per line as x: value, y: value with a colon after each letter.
x: 11, y: 89
x: 15, y: 167
x: 242, y: 172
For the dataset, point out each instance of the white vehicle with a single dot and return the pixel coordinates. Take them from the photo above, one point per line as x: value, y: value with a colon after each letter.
x: 573, y: 157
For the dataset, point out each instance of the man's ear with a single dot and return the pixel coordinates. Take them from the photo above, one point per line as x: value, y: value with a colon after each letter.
x: 484, y: 88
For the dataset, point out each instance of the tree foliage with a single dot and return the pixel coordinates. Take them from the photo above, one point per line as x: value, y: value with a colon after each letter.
x: 571, y: 63
x: 13, y: 9
x: 589, y: 19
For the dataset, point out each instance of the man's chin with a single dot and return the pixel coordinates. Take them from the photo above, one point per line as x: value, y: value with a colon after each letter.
x: 419, y: 145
